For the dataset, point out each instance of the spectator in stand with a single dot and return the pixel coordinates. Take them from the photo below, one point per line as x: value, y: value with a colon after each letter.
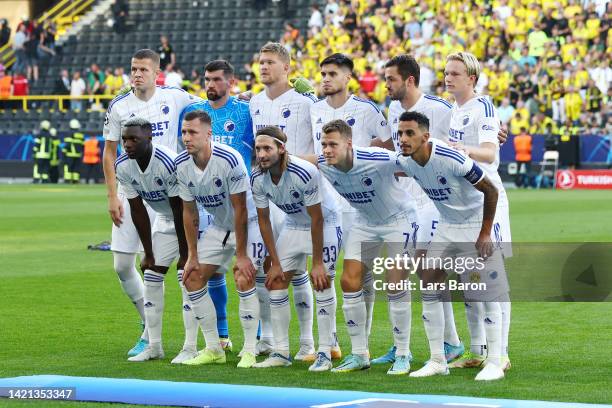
x: 62, y: 86
x: 95, y: 80
x: 316, y: 18
x: 505, y: 111
x: 31, y: 48
x: 6, y: 88
x: 573, y: 105
x: 173, y: 78
x: 77, y: 88
x: 120, y: 10
x: 5, y: 32
x: 19, y: 48
x: 166, y: 53
x: 125, y: 80
x: 46, y: 44
x: 368, y: 81
x: 593, y: 100
x: 331, y: 7
x: 20, y: 88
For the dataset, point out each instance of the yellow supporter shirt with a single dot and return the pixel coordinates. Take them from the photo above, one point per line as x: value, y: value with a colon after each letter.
x: 573, y: 105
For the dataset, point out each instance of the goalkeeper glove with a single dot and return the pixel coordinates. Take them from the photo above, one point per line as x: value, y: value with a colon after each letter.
x: 302, y: 85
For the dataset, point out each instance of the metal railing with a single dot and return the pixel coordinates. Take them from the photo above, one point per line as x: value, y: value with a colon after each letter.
x: 58, y: 98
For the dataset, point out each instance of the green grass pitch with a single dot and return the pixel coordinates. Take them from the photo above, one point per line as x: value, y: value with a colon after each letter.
x: 63, y: 311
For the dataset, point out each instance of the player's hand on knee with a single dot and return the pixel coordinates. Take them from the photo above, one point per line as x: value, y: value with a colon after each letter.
x: 244, y: 268
x: 147, y: 262
x: 274, y: 273
x: 319, y: 277
x: 115, y: 208
x: 191, y: 266
x: 484, y: 245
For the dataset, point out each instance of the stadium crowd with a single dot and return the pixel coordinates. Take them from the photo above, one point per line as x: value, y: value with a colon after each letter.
x: 545, y: 62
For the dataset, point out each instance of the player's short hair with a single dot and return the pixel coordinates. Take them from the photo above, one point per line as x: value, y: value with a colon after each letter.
x: 276, y: 133
x: 413, y: 116
x: 407, y: 66
x: 340, y: 126
x: 199, y: 114
x: 278, y: 49
x: 146, y: 53
x: 141, y: 123
x: 220, y: 65
x: 338, y: 59
x: 471, y: 63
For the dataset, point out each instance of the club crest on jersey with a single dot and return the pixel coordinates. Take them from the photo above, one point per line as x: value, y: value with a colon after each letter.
x: 466, y: 120
x: 159, y: 181
x: 442, y: 180
x: 229, y: 126
x: 350, y: 120
x: 366, y: 181
x: 165, y: 109
x: 294, y: 195
x: 217, y: 181
x: 285, y: 113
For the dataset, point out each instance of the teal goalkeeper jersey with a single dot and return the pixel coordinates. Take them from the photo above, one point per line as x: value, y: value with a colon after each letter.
x: 231, y: 125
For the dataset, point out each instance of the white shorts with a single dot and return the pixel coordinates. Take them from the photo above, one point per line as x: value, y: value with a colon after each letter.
x: 457, y: 241
x: 165, y: 241
x: 217, y: 246
x: 125, y: 237
x: 295, y: 245
x: 364, y: 241
x: 500, y: 233
x: 277, y: 218
x: 427, y: 221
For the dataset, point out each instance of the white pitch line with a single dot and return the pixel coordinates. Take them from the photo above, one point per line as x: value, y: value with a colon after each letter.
x: 454, y: 404
x: 361, y: 401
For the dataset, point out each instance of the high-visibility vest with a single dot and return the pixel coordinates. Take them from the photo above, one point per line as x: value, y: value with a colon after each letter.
x: 91, y: 151
x: 42, y: 145
x: 73, y: 145
x: 55, y: 148
x: 522, y: 147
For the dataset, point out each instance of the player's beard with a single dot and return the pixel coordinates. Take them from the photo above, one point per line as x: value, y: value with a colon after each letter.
x: 213, y: 96
x: 399, y: 95
x: 332, y: 92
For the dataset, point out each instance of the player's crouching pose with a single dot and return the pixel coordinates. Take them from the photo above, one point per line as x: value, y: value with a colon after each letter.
x: 364, y: 176
x: 215, y: 176
x: 456, y: 184
x: 146, y: 171
x: 312, y: 228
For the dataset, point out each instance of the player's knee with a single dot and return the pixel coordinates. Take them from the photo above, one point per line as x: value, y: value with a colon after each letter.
x: 124, y: 263
x: 244, y: 283
x: 350, y: 283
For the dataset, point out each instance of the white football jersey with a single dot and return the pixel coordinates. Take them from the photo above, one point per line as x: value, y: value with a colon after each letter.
x: 155, y: 184
x: 300, y: 186
x: 447, y: 179
x: 474, y: 123
x: 225, y: 174
x: 438, y: 111
x: 370, y: 186
x: 363, y: 116
x: 291, y: 112
x: 162, y: 110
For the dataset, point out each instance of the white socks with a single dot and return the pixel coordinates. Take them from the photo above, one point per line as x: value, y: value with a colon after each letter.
x: 450, y: 330
x: 281, y: 316
x: 204, y: 311
x: 189, y: 321
x: 264, y: 307
x: 354, y: 309
x: 326, y: 314
x: 433, y: 319
x: 248, y: 310
x: 474, y: 313
x: 131, y: 282
x: 303, y: 300
x: 400, y: 314
x: 369, y: 296
x: 493, y: 328
x: 154, y: 304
